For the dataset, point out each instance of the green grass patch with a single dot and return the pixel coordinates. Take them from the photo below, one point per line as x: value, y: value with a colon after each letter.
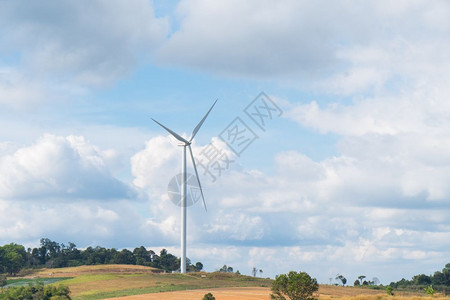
x: 27, y: 281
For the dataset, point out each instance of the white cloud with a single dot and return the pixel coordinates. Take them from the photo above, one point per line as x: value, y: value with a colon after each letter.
x: 91, y: 44
x: 254, y: 38
x: 86, y: 223
x: 157, y: 163
x: 306, y: 202
x: 281, y: 40
x: 16, y: 89
x: 236, y: 226
x: 66, y: 167
x: 380, y: 202
x: 57, y: 50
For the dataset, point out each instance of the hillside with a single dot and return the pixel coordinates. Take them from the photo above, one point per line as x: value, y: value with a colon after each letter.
x: 107, y: 281
x: 111, y: 281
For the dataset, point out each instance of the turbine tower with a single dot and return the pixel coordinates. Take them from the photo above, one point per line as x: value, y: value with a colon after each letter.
x: 186, y: 143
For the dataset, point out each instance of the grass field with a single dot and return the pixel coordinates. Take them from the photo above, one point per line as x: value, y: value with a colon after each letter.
x: 139, y: 282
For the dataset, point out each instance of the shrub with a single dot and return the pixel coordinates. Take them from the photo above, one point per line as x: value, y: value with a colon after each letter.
x: 209, y: 296
x: 389, y: 290
x: 429, y: 290
x: 38, y: 291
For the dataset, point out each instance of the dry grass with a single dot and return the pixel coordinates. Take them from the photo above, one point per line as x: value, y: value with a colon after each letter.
x: 97, y: 269
x: 356, y: 293
x: 243, y: 293
x: 248, y: 293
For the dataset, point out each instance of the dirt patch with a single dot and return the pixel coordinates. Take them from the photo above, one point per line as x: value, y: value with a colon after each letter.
x: 242, y: 293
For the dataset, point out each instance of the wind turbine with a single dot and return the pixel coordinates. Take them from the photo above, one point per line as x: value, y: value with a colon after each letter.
x: 186, y: 143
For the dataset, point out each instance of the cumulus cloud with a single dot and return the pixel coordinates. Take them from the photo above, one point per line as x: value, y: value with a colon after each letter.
x: 65, y: 167
x: 380, y: 200
x: 93, y: 45
x: 272, y: 39
x: 351, y: 208
x: 64, y: 48
x: 86, y: 223
x: 254, y: 38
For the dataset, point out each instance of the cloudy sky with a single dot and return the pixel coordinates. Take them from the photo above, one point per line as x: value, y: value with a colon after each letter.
x: 348, y: 174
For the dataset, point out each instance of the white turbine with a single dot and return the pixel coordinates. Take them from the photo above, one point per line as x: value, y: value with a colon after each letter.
x: 186, y: 143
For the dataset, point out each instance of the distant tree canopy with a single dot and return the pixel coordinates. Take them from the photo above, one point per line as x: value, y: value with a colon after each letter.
x: 226, y: 269
x: 440, y: 280
x: 50, y: 254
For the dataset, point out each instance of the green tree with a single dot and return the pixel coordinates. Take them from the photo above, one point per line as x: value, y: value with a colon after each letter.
x: 199, y: 266
x: 361, y: 278
x: 142, y: 256
x: 294, y: 286
x: 421, y: 279
x: 125, y: 257
x: 14, y: 257
x: 356, y: 283
x: 342, y: 279
x: 226, y: 269
x: 168, y: 261
x: 209, y: 296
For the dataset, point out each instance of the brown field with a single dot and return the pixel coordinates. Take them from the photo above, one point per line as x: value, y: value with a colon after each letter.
x: 252, y: 293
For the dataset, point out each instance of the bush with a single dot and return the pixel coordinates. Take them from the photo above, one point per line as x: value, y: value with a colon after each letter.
x: 389, y: 290
x: 429, y: 290
x: 209, y: 296
x: 39, y: 291
x: 294, y: 286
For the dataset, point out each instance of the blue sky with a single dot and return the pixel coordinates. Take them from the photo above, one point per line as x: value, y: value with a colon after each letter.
x: 352, y: 178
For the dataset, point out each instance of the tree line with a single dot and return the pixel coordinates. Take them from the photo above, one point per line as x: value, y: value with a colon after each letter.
x: 440, y: 280
x: 50, y: 254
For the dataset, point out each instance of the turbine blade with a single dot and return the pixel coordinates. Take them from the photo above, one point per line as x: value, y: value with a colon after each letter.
x: 196, y: 129
x: 198, y: 179
x: 177, y: 136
